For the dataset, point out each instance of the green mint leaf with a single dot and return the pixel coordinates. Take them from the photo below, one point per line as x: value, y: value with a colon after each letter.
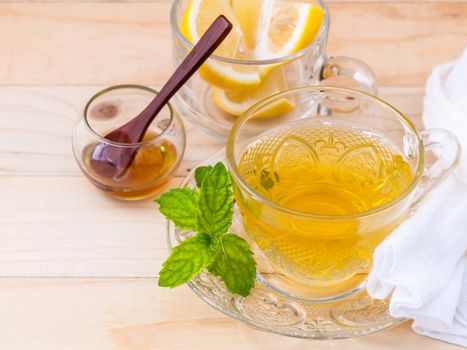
x: 234, y: 264
x: 215, y: 202
x: 181, y: 206
x: 186, y: 261
x: 208, y: 211
x: 200, y: 174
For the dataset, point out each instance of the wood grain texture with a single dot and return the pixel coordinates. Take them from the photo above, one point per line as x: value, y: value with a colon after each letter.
x: 402, y: 42
x: 54, y: 222
x: 134, y: 314
x: 36, y: 125
x: 168, y: 1
x: 110, y: 43
x: 62, y: 226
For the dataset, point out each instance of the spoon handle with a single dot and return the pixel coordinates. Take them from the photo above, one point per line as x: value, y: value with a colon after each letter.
x: 207, y: 44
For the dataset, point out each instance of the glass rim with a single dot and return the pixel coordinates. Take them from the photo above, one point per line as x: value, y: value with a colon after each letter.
x: 123, y: 144
x: 235, y: 173
x: 319, y: 37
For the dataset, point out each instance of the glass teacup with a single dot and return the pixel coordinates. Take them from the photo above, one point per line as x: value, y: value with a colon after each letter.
x: 213, y: 101
x: 321, y: 186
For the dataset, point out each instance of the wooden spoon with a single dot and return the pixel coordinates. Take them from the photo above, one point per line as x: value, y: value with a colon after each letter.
x: 112, y: 161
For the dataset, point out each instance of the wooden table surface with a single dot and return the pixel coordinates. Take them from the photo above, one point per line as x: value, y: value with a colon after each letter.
x: 79, y: 270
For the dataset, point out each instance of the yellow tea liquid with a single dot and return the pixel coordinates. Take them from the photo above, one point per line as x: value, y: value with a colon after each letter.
x: 322, y: 169
x: 143, y: 177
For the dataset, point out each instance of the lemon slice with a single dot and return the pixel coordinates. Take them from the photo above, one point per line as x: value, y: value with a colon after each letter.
x: 236, y: 102
x: 262, y: 29
x: 198, y: 16
x: 249, y: 15
x: 293, y: 26
x: 277, y: 28
x: 271, y: 29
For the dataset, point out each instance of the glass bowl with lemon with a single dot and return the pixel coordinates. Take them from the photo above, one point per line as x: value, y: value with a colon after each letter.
x: 275, y: 45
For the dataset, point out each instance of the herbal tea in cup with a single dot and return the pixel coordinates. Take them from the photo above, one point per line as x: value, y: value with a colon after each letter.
x: 321, y: 186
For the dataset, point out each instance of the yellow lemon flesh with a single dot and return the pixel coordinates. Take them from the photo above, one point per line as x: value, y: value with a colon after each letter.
x: 198, y: 16
x: 263, y: 29
x: 236, y: 102
x: 249, y: 18
x: 291, y: 28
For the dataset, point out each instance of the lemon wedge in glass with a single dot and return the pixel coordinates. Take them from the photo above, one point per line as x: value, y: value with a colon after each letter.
x: 262, y: 30
x: 277, y: 28
x: 198, y: 16
x: 236, y: 102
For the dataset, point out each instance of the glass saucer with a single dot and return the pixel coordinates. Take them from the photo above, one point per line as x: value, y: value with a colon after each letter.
x: 270, y: 310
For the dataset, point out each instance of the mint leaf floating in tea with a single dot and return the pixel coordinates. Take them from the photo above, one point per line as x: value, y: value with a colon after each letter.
x: 234, y: 264
x: 208, y: 210
x: 267, y: 180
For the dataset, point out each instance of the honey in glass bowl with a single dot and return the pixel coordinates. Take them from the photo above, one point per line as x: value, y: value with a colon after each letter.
x: 157, y: 155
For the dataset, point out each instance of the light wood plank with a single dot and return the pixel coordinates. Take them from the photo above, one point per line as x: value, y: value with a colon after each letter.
x: 83, y: 43
x: 135, y: 314
x: 168, y: 1
x: 63, y: 226
x: 145, y: 1
x: 54, y: 222
x: 402, y: 42
x: 109, y: 43
x: 36, y: 126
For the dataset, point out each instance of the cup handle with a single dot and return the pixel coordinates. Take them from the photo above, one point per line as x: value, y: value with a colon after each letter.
x: 442, y: 155
x: 348, y: 72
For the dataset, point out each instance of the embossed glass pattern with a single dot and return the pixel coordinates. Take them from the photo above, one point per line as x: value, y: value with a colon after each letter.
x: 321, y: 186
x: 268, y: 310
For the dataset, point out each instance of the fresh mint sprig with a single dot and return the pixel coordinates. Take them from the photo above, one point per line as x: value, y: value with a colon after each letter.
x: 207, y: 210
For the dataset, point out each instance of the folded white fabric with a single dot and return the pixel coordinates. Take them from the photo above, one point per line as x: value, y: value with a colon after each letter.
x: 423, y: 263
x: 445, y: 104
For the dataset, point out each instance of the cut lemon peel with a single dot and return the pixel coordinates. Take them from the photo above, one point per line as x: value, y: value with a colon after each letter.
x: 263, y: 29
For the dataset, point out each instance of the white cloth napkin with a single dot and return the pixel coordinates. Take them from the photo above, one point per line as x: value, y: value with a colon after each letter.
x: 423, y: 263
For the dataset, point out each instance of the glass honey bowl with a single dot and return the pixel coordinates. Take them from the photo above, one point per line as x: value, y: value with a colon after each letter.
x: 158, y: 155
